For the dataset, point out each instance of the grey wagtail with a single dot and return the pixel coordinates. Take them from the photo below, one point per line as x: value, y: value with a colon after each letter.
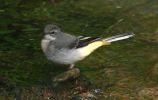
x: 63, y: 48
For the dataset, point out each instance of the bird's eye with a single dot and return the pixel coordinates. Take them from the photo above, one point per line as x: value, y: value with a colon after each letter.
x: 52, y: 32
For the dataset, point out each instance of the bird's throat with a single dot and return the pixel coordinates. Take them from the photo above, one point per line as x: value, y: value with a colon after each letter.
x: 44, y: 44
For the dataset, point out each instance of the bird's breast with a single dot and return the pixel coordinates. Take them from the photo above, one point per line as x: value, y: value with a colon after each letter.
x: 44, y: 44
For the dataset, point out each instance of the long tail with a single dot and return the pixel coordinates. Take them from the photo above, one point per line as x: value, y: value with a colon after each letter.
x: 119, y: 37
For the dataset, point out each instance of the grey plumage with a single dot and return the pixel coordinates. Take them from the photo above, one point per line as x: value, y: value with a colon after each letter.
x: 67, y: 39
x: 57, y: 49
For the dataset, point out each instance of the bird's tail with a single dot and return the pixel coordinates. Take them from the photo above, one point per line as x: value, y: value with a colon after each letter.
x: 118, y: 37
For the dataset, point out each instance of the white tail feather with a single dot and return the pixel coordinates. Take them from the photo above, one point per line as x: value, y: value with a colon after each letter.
x: 119, y: 37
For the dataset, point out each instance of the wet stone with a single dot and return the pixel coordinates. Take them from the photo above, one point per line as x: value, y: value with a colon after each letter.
x: 70, y: 74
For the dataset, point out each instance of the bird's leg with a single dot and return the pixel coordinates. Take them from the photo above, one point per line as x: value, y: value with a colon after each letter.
x: 71, y: 66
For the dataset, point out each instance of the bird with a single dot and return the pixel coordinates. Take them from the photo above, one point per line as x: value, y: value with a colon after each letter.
x: 67, y: 49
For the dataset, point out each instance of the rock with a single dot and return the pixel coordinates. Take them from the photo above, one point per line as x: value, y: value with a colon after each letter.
x: 70, y: 74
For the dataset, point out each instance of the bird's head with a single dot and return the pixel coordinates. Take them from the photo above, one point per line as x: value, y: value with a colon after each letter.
x: 51, y: 31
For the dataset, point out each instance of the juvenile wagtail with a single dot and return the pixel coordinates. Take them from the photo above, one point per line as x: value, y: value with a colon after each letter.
x: 63, y: 48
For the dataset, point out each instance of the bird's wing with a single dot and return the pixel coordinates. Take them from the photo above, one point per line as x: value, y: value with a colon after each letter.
x: 70, y: 41
x: 64, y: 41
x: 83, y: 41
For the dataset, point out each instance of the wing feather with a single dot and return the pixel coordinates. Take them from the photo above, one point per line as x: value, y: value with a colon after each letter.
x: 83, y: 41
